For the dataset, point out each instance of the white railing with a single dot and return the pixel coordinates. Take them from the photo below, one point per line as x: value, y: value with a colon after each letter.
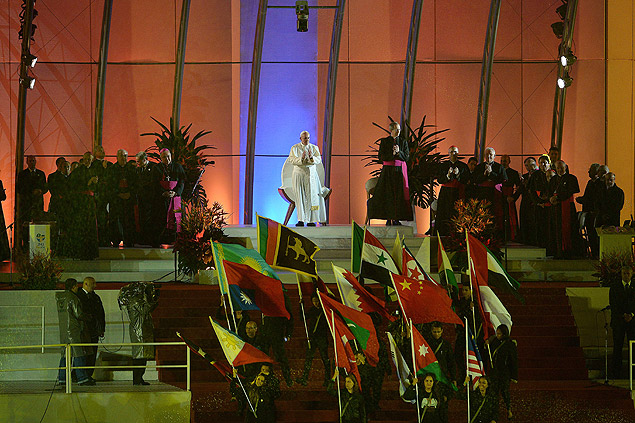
x: 69, y: 365
x: 41, y: 307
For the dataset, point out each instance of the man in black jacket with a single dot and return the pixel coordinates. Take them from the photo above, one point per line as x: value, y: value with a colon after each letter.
x: 169, y: 179
x: 121, y: 182
x: 31, y: 187
x: 319, y: 339
x: 622, y: 302
x: 488, y: 175
x: 611, y: 202
x: 95, y: 317
x: 509, y: 201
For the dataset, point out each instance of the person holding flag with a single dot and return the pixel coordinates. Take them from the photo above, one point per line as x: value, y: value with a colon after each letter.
x: 504, y: 365
x: 318, y: 335
x: 443, y: 351
x: 430, y: 400
x: 483, y: 403
x: 262, y: 397
x: 353, y: 410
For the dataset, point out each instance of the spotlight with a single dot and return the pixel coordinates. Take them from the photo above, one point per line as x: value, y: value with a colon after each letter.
x: 565, y: 81
x: 302, y: 10
x: 30, y: 59
x: 568, y: 59
x: 558, y: 29
x: 28, y: 82
x: 562, y: 11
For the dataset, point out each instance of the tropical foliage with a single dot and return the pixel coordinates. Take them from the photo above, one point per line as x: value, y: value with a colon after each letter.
x: 194, y: 158
x: 200, y: 225
x: 609, y: 268
x: 39, y: 272
x: 423, y: 162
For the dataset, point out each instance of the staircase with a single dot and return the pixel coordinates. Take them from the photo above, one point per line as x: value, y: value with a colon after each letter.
x: 551, y: 365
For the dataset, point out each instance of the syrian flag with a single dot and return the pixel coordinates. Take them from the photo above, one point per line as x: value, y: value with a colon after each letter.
x: 401, y: 367
x: 423, y: 301
x: 377, y: 263
x: 251, y: 290
x: 474, y: 361
x: 425, y: 360
x: 357, y: 241
x: 493, y: 312
x: 355, y: 296
x: 489, y: 268
x: 445, y: 268
x: 237, y: 351
x: 411, y: 268
x: 223, y: 368
x: 359, y: 324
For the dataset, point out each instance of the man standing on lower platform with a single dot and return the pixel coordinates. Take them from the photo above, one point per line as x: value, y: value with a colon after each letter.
x: 95, y: 318
x: 391, y: 200
x: 622, y: 302
x: 307, y: 187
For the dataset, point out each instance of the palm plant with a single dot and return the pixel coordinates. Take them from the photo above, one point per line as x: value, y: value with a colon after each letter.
x: 184, y: 151
x: 423, y: 162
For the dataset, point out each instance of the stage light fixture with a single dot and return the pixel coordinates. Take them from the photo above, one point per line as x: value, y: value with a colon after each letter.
x: 558, y: 29
x: 29, y: 59
x: 28, y: 82
x: 565, y: 81
x: 568, y: 59
x: 302, y: 11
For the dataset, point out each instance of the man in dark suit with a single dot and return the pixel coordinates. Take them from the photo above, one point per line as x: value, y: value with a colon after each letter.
x: 509, y: 201
x: 622, y: 302
x: 169, y: 181
x: 31, y: 187
x: 391, y: 200
x: 611, y: 202
x: 146, y: 199
x: 95, y: 317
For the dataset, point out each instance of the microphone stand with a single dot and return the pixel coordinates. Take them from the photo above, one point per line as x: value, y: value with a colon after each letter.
x: 606, y: 349
x: 10, y: 227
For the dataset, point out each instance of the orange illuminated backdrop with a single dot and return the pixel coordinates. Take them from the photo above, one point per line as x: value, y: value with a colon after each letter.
x: 370, y: 78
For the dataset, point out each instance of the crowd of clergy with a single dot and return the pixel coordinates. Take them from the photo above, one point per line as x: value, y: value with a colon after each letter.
x: 96, y: 203
x: 547, y: 215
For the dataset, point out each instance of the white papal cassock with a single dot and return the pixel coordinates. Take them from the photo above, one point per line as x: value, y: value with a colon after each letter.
x: 308, y: 192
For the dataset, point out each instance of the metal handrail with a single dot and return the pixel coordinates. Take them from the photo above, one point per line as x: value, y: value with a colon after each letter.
x: 630, y: 362
x: 69, y: 366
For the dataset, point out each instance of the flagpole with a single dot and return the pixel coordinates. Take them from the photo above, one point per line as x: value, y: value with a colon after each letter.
x: 244, y: 391
x: 339, y: 394
x: 467, y: 369
x: 306, y: 329
x: 231, y: 306
x: 414, y: 370
x: 222, y: 297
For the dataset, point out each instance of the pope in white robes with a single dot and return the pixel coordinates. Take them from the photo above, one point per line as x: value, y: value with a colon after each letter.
x: 308, y: 191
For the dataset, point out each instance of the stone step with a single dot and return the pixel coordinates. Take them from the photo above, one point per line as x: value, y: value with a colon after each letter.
x: 124, y: 277
x: 131, y: 265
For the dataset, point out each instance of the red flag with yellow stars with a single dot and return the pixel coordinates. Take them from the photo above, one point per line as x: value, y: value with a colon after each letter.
x: 424, y: 301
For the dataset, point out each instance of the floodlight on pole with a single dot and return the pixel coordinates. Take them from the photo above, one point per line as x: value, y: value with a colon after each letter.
x: 568, y: 59
x: 565, y: 81
x: 302, y: 11
x: 28, y: 82
x: 29, y: 59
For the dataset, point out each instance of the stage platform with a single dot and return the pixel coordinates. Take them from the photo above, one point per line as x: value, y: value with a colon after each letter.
x: 106, y: 402
x: 123, y: 265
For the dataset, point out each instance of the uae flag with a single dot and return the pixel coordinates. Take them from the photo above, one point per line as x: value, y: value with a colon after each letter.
x: 424, y: 301
x: 251, y: 290
x: 445, y: 268
x: 238, y: 254
x: 357, y: 241
x: 425, y: 360
x: 355, y: 296
x: 237, y: 351
x: 285, y: 249
x: 377, y: 263
x: 359, y: 324
x: 493, y: 312
x: 489, y: 268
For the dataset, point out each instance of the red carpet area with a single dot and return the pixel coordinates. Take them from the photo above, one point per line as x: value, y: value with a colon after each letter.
x: 553, y: 384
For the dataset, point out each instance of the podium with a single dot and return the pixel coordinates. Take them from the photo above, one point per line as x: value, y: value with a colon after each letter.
x: 615, y: 239
x: 39, y: 239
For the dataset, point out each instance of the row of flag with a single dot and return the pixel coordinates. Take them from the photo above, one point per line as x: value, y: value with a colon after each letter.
x: 247, y: 277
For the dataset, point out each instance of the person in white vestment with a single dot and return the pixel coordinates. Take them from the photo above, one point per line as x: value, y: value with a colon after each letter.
x: 309, y: 192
